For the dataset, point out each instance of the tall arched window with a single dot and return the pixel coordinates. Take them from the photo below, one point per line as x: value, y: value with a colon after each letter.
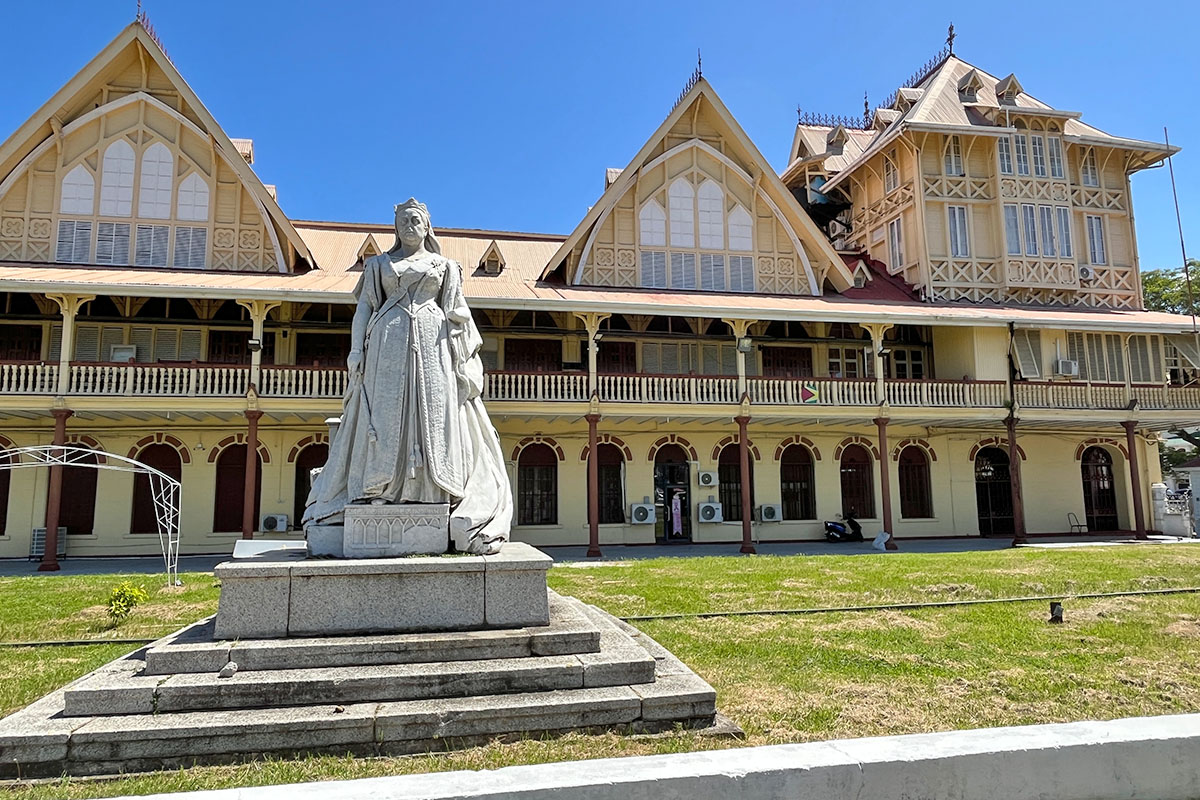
x: 796, y: 486
x: 116, y: 180
x: 654, y: 225
x: 229, y: 500
x: 681, y: 201
x: 164, y: 458
x: 711, y: 207
x: 78, y: 510
x: 309, y: 459
x: 858, y: 483
x: 1099, y: 490
x: 78, y: 191
x: 5, y: 484
x: 729, y: 477
x: 537, y: 486
x: 741, y: 230
x: 916, y: 497
x: 154, y: 196
x: 610, y: 469
x: 193, y: 199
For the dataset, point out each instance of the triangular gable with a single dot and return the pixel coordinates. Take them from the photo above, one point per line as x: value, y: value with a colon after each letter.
x: 492, y: 262
x: 814, y: 260
x: 134, y: 46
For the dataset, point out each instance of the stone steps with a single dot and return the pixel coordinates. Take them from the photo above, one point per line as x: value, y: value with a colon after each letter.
x: 119, y: 718
x: 194, y: 649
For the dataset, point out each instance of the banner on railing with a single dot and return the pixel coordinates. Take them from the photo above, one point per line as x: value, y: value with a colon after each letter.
x: 808, y: 393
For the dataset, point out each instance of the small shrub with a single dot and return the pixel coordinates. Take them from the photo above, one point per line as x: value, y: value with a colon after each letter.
x: 122, y: 600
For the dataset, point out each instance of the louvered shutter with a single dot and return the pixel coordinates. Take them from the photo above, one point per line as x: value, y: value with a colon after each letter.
x: 55, y: 351
x: 190, y: 346
x: 144, y: 339
x: 166, y: 344
x: 151, y: 245
x: 752, y: 362
x: 1158, y: 370
x: 712, y: 273
x: 728, y: 360
x: 651, y: 358
x: 1077, y: 352
x: 1027, y: 349
x: 87, y: 343
x: 670, y: 359
x: 190, y: 246
x: 112, y: 243
x: 1139, y: 359
x: 1116, y: 360
x: 74, y: 244
x: 109, y: 337
x: 1188, y: 346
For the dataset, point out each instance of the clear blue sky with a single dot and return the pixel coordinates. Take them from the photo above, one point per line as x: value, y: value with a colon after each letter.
x: 504, y: 115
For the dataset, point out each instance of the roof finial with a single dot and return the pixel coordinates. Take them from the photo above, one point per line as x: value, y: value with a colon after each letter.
x: 950, y: 36
x: 866, y: 110
x: 699, y: 71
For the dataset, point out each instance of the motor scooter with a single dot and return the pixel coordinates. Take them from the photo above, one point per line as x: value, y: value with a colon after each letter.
x: 848, y: 530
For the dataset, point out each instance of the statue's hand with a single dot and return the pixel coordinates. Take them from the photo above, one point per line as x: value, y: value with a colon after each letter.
x: 354, y: 363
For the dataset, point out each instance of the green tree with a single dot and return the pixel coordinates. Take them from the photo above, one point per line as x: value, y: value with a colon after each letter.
x: 1166, y: 289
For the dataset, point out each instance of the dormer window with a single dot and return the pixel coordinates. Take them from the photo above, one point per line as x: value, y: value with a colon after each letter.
x: 969, y: 86
x: 492, y: 262
x: 884, y: 117
x: 835, y: 142
x: 1007, y: 91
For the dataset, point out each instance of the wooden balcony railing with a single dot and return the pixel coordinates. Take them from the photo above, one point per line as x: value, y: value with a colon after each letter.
x: 329, y: 383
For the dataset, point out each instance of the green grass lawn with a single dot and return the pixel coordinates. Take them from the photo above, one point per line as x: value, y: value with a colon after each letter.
x: 782, y: 678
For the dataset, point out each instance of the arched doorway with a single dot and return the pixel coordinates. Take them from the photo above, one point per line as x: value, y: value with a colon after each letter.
x: 672, y: 497
x: 858, y: 483
x: 165, y: 459
x: 309, y: 459
x: 4, y: 487
x: 1099, y: 490
x: 610, y: 473
x: 77, y: 512
x: 797, y: 489
x: 729, y: 481
x: 537, y: 485
x: 993, y: 492
x: 231, y: 489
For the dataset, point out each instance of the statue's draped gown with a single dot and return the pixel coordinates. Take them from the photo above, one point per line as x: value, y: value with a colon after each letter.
x: 414, y: 428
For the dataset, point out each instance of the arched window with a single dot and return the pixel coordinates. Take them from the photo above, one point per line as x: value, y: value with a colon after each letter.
x: 1099, y: 490
x: 537, y: 486
x: 5, y: 484
x: 711, y: 206
x: 858, y: 483
x: 796, y: 486
x: 231, y: 489
x: 654, y: 225
x: 77, y: 513
x: 953, y: 156
x: 610, y: 469
x: 729, y: 477
x: 681, y: 200
x: 741, y: 230
x: 164, y: 458
x: 154, y: 196
x: 116, y: 180
x: 78, y: 191
x: 309, y: 459
x: 916, y: 497
x: 193, y: 199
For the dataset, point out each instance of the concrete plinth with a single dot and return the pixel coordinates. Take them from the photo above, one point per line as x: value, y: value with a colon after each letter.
x: 394, y: 595
x: 396, y: 530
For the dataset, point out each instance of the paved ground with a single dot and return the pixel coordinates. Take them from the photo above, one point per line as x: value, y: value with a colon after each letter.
x: 148, y: 565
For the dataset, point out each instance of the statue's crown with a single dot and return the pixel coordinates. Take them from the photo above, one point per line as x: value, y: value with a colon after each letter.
x: 412, y: 203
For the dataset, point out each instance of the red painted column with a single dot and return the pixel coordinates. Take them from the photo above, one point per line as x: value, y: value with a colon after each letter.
x: 885, y: 474
x: 593, y: 488
x: 54, y: 496
x: 248, y: 521
x: 1014, y: 476
x: 1135, y: 480
x: 744, y: 458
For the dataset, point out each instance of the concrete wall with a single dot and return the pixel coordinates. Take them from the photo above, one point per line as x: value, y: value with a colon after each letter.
x: 1151, y: 758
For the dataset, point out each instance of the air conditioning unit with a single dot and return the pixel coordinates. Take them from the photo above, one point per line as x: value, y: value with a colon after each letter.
x: 1066, y: 368
x: 770, y: 512
x: 122, y: 353
x: 707, y: 478
x: 274, y: 523
x: 642, y: 514
x: 710, y: 512
x: 1086, y: 273
x: 37, y: 543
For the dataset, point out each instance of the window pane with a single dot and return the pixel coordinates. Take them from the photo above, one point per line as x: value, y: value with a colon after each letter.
x: 116, y: 180
x: 1095, y: 226
x: 193, y: 199
x: 1031, y: 241
x: 1046, y: 221
x: 1022, y: 145
x: 682, y: 200
x: 1064, y: 232
x: 78, y: 192
x: 154, y: 198
x: 1012, y: 230
x: 1039, y: 156
x: 711, y: 208
x: 1056, y: 157
x: 653, y: 222
x: 1004, y: 150
x: 741, y: 230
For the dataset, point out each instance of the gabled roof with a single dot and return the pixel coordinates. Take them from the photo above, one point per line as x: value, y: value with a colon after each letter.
x: 74, y: 98
x: 702, y: 91
x: 940, y: 106
x: 814, y: 137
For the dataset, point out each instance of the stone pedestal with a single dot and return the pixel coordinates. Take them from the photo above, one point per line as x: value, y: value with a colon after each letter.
x: 396, y: 530
x: 394, y: 595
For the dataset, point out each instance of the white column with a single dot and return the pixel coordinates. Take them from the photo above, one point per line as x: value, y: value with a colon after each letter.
x: 258, y: 316
x: 68, y: 305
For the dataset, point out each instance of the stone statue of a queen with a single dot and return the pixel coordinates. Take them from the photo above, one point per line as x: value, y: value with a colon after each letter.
x: 414, y: 428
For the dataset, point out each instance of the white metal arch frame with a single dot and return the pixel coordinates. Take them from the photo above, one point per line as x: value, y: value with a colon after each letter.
x: 164, y: 489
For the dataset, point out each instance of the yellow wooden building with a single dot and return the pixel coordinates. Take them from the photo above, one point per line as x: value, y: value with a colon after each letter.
x: 932, y: 320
